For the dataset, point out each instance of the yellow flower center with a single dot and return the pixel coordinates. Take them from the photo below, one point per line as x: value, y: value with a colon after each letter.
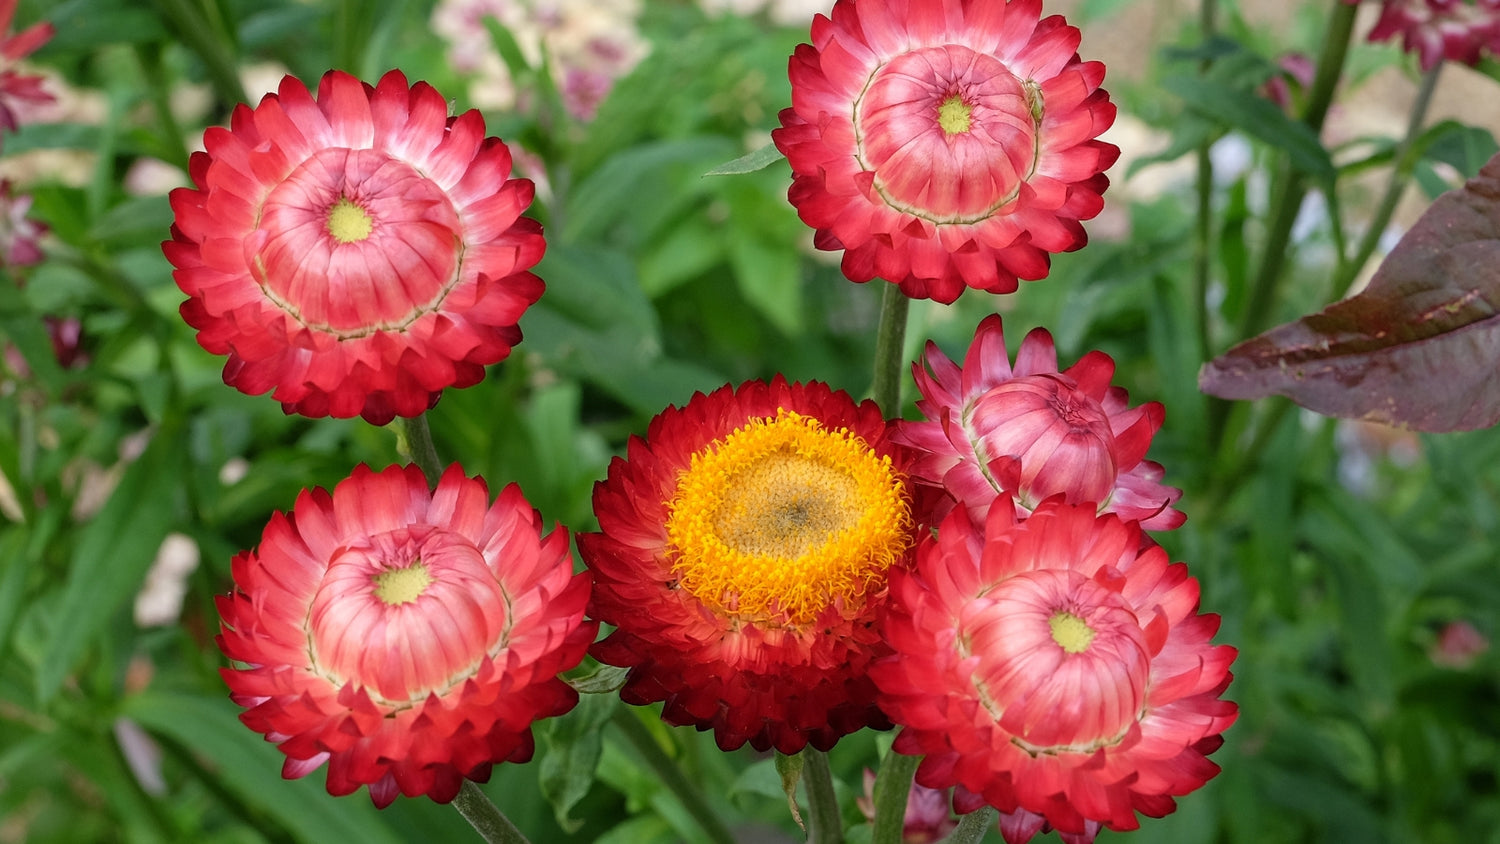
x: 783, y: 518
x: 1070, y: 632
x: 349, y: 223
x: 953, y: 115
x: 402, y: 586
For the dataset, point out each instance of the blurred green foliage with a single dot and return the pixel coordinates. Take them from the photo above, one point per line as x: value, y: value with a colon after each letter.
x: 1336, y: 555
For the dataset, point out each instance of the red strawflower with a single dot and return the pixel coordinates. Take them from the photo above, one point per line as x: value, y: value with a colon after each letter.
x: 1457, y: 30
x: 743, y: 551
x: 356, y: 254
x: 15, y: 86
x: 1032, y: 431
x: 945, y: 143
x: 1054, y: 668
x: 408, y: 637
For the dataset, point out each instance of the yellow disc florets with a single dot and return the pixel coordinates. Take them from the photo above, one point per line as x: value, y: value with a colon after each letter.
x: 784, y: 517
x: 348, y: 222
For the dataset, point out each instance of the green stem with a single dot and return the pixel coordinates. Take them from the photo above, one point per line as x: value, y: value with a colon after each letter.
x: 973, y: 826
x: 418, y: 447
x: 1293, y: 187
x: 1203, y: 257
x: 892, y: 787
x: 1400, y: 175
x: 1289, y: 188
x: 890, y: 339
x: 822, y: 803
x: 217, y: 53
x: 691, y: 797
x: 486, y: 818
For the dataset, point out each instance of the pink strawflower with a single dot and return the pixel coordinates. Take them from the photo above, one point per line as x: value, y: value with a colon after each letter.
x: 1028, y: 432
x: 945, y: 144
x: 14, y: 85
x: 1056, y: 668
x: 406, y: 636
x: 357, y: 253
x: 1456, y: 30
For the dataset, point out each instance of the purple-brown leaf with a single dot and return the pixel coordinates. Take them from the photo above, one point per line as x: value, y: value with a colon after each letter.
x: 1419, y: 348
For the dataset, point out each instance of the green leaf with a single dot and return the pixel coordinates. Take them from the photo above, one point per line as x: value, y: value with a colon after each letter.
x: 1259, y: 118
x: 114, y: 551
x: 770, y: 279
x: 574, y: 744
x: 790, y: 769
x: 627, y: 179
x: 607, y: 679
x: 250, y: 767
x: 758, y: 159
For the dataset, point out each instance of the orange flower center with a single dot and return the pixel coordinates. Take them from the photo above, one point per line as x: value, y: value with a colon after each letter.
x: 784, y: 518
x: 349, y: 223
x: 403, y: 585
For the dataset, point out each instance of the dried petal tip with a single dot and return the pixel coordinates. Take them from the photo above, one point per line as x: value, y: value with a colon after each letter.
x: 406, y: 637
x: 355, y: 253
x: 945, y: 144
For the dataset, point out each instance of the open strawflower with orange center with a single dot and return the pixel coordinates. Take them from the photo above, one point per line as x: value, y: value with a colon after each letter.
x: 743, y: 551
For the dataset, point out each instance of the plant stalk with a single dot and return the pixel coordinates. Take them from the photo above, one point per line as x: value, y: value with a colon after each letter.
x: 890, y: 339
x: 1293, y: 184
x: 822, y: 803
x: 972, y: 827
x: 1401, y: 169
x: 892, y: 787
x: 486, y: 818
x: 691, y: 797
x: 419, y: 448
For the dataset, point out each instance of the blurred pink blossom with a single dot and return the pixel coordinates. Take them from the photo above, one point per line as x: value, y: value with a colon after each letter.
x: 16, y: 87
x: 1459, y: 645
x: 1457, y: 30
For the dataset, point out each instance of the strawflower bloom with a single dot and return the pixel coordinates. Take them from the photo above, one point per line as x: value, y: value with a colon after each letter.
x: 357, y: 253
x: 408, y: 637
x: 16, y: 87
x: 1032, y: 431
x: 743, y: 552
x: 945, y: 144
x: 1456, y: 30
x: 1055, y: 668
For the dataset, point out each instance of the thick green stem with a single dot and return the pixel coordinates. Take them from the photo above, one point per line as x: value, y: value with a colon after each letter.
x: 486, y: 818
x: 210, y: 44
x: 892, y: 787
x: 419, y: 449
x: 688, y: 794
x: 1293, y: 186
x: 823, y: 805
x: 890, y: 339
x: 1204, y: 231
x: 1400, y: 175
x: 1289, y: 187
x: 973, y: 826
